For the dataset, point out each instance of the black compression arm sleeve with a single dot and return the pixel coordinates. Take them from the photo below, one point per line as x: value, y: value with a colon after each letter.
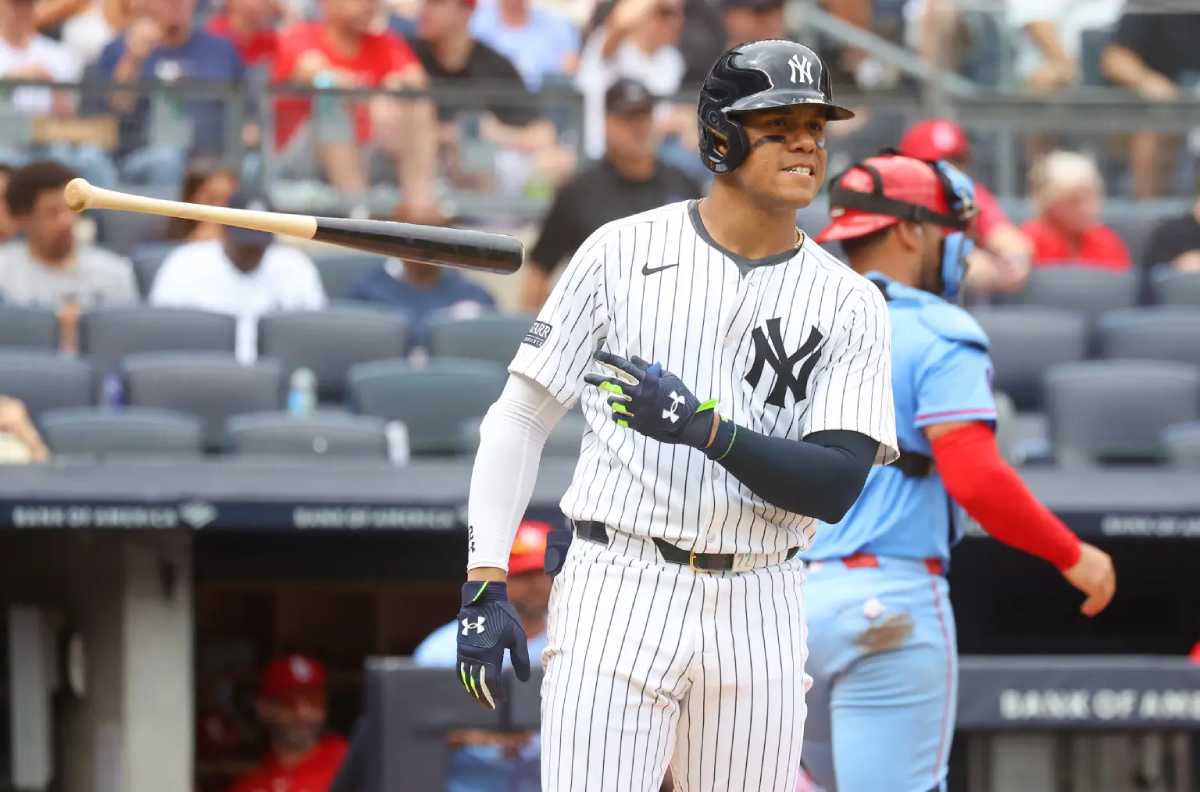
x: 820, y: 476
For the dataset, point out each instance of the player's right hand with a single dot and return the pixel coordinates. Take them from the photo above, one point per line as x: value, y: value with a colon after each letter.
x: 1093, y: 574
x: 487, y: 625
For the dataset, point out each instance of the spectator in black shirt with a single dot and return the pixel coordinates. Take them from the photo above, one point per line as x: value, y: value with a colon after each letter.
x: 450, y: 54
x: 1156, y: 55
x: 629, y: 179
x: 1176, y: 242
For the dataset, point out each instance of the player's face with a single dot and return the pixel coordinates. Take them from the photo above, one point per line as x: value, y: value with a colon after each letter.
x: 930, y: 241
x: 787, y: 155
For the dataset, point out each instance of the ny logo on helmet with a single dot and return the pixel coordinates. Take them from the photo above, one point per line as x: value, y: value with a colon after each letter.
x: 477, y: 626
x: 768, y: 348
x: 800, y: 69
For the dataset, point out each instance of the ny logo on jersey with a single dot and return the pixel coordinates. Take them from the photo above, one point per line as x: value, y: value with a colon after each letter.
x: 477, y: 626
x: 676, y: 400
x: 768, y: 348
x: 800, y: 69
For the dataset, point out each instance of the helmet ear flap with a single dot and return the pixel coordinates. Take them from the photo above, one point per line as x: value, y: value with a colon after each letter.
x: 723, y: 141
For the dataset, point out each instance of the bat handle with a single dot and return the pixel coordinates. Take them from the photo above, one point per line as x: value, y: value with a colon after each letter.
x: 79, y: 194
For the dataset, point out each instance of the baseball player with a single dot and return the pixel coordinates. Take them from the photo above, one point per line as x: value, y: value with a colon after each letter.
x: 735, y: 380
x: 883, y: 647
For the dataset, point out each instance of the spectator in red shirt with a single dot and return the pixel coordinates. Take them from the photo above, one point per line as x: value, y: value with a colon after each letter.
x: 1069, y: 193
x: 1000, y: 263
x: 291, y: 704
x: 250, y: 25
x: 343, y: 51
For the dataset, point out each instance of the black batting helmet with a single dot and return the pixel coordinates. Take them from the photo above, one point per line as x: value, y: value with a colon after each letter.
x: 755, y: 76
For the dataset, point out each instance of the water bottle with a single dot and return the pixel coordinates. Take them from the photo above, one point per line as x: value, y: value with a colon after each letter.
x: 302, y: 392
x: 397, y: 442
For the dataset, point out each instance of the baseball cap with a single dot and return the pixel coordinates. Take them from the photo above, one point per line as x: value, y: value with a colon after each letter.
x: 291, y: 673
x: 935, y: 139
x: 626, y: 96
x: 254, y: 201
x: 529, y: 547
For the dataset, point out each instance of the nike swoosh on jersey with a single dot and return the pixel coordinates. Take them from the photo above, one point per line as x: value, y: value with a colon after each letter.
x: 648, y: 270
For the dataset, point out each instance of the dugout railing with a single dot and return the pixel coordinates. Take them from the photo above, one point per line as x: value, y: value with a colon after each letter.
x: 1100, y: 724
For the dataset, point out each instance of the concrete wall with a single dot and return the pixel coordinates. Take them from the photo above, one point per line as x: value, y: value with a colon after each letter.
x: 130, y: 596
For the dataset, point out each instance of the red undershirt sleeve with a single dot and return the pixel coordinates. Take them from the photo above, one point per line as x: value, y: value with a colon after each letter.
x: 979, y: 479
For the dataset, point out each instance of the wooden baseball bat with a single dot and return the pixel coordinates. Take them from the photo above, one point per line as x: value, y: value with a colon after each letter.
x: 446, y: 247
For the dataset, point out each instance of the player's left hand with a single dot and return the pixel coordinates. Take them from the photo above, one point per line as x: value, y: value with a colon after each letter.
x: 1093, y: 574
x: 487, y: 625
x: 657, y: 403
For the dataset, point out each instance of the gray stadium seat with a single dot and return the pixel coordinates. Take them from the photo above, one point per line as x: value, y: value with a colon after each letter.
x: 209, y: 385
x: 563, y: 443
x: 1183, y: 444
x: 340, y: 271
x: 493, y: 337
x: 331, y: 341
x: 1135, y: 231
x: 147, y: 259
x: 109, y: 334
x: 138, y: 431
x: 28, y: 327
x: 432, y: 401
x: 1107, y: 410
x: 321, y: 434
x: 1025, y: 341
x: 1176, y: 288
x: 1088, y: 290
x: 44, y: 381
x: 121, y: 232
x: 1164, y: 333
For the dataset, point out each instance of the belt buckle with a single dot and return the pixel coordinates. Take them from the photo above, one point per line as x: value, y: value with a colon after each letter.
x: 692, y: 562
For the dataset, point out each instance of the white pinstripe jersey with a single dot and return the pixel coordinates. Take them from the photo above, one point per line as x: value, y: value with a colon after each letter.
x: 790, y: 345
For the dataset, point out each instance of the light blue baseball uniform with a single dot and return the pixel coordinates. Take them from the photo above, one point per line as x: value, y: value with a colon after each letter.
x: 881, y: 632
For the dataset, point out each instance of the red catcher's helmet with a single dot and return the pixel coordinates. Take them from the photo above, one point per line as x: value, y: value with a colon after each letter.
x: 936, y: 139
x: 529, y: 547
x: 883, y: 190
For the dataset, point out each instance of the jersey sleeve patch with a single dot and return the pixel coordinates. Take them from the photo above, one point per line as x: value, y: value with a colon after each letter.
x: 539, y: 331
x: 954, y: 324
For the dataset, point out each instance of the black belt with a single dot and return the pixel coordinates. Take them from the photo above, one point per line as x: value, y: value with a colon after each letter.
x: 707, y: 562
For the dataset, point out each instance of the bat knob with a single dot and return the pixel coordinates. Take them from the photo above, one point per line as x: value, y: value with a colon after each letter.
x: 78, y: 194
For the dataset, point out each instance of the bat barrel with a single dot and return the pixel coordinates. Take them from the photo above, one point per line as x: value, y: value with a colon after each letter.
x: 451, y: 247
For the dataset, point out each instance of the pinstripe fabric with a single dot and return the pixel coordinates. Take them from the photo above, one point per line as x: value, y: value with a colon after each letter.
x: 698, y: 317
x: 650, y: 664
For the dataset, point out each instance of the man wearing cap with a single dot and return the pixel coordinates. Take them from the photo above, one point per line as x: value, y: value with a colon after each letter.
x: 881, y: 628
x: 629, y: 179
x: 503, y: 762
x: 1002, y: 256
x: 246, y: 274
x: 291, y: 705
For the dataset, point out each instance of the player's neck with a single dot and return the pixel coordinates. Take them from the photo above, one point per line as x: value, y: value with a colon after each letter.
x: 747, y: 229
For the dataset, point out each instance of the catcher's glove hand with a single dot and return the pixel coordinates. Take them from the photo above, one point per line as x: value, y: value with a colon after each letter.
x: 657, y: 404
x: 487, y: 625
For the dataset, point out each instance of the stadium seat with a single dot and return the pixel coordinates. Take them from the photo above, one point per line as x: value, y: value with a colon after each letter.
x: 121, y: 232
x: 1183, y: 444
x: 1088, y: 290
x: 147, y: 259
x: 563, y: 443
x: 1025, y: 341
x: 1176, y: 288
x: 209, y: 385
x: 1116, y: 410
x: 1164, y: 333
x: 432, y: 401
x: 134, y: 430
x: 1135, y: 231
x: 44, y: 380
x: 28, y: 327
x: 329, y: 342
x: 109, y: 334
x: 340, y: 271
x: 493, y: 337
x: 321, y: 434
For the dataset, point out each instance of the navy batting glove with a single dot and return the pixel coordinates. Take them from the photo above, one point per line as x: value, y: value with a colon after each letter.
x: 657, y: 404
x: 487, y: 625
